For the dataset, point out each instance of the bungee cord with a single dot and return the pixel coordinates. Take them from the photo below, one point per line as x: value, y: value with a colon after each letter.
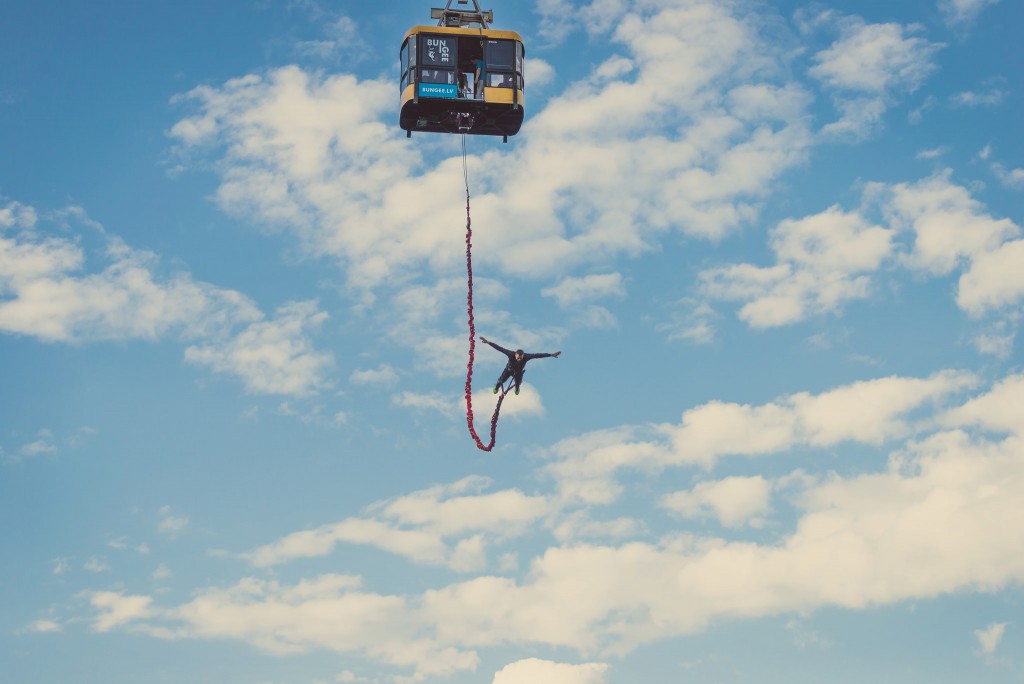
x: 472, y: 328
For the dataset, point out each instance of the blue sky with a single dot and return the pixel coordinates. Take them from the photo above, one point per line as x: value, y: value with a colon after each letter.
x: 778, y: 244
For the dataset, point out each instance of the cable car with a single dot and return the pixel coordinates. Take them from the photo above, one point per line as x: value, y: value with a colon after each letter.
x: 462, y: 76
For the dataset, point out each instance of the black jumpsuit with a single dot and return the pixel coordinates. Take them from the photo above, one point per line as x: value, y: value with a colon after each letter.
x: 514, y: 369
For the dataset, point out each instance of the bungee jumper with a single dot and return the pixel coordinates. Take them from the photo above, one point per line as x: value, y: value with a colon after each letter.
x: 516, y: 366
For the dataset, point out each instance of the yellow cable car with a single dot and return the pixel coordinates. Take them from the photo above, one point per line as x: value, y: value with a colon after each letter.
x: 461, y: 76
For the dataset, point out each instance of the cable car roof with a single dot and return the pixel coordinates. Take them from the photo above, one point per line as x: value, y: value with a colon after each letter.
x: 463, y: 23
x: 483, y: 33
x: 459, y: 18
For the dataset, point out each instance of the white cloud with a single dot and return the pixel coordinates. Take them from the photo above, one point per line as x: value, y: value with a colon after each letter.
x: 1000, y: 409
x: 857, y: 543
x: 572, y: 291
x: 329, y: 612
x: 312, y: 154
x: 934, y: 153
x: 445, y: 508
x: 42, y: 445
x: 941, y: 502
x: 45, y: 626
x: 859, y: 116
x: 96, y: 564
x: 613, y: 68
x: 875, y: 58
x: 573, y: 294
x: 916, y: 115
x: 341, y: 36
x: 527, y: 403
x: 1009, y: 178
x: 998, y: 343
x: 594, y: 316
x: 538, y: 73
x: 469, y: 555
x: 171, y: 525
x: 804, y: 638
x: 691, y: 320
x: 116, y: 609
x: 436, y: 526
x: 869, y: 412
x: 382, y: 375
x: 17, y: 214
x: 51, y: 296
x: 418, y: 317
x: 950, y: 230
x: 735, y: 501
x: 994, y: 280
x: 551, y: 13
x: 418, y: 545
x: 823, y: 261
x: 537, y: 671
x: 969, y: 98
x: 990, y: 637
x: 272, y: 356
x: 960, y: 12
x: 826, y: 260
x: 300, y: 146
x: 867, y: 66
x: 121, y: 544
x: 947, y: 222
x: 579, y: 525
x: 434, y: 401
x: 596, y: 17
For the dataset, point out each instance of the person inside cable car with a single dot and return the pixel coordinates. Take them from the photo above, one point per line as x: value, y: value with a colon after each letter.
x: 481, y: 73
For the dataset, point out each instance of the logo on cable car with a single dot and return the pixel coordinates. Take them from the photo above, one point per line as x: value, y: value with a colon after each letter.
x: 445, y: 90
x: 438, y: 51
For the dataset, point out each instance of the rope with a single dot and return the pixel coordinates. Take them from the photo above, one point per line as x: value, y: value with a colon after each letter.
x: 472, y: 328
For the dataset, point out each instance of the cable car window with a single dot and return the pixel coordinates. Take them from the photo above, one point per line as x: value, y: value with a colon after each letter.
x: 500, y: 54
x: 439, y: 51
x: 405, y: 66
x: 519, y: 57
x: 437, y: 76
x: 412, y: 52
x: 499, y: 80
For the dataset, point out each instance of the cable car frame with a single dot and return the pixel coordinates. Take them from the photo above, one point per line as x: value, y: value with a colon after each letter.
x: 439, y: 84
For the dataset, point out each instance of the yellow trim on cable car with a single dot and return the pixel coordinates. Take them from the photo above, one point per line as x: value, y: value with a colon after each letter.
x: 501, y: 96
x: 453, y: 30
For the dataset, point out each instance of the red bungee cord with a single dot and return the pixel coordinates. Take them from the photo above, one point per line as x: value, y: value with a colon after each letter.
x: 472, y: 329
